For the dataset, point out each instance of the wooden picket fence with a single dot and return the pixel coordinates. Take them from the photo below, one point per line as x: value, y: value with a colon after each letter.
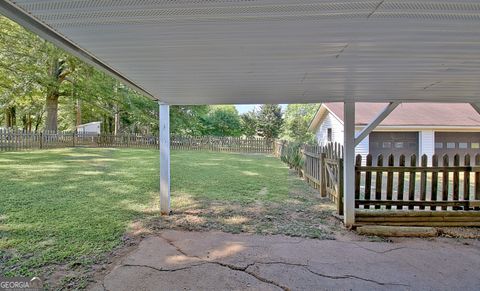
x: 322, y: 169
x: 408, y: 186
x: 415, y: 194
x: 407, y: 193
x: 222, y: 144
x: 16, y: 140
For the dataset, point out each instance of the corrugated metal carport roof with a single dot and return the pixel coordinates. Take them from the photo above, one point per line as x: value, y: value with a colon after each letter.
x: 275, y: 51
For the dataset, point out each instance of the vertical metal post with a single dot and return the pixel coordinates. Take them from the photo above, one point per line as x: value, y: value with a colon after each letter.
x: 349, y: 164
x: 164, y: 144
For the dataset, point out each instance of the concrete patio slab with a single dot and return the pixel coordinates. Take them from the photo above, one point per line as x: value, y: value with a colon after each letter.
x: 177, y: 260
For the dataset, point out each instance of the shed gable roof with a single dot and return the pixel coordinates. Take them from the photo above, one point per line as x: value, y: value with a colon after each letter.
x: 408, y: 114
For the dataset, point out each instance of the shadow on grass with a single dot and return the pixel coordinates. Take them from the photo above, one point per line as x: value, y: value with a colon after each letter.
x: 68, y: 208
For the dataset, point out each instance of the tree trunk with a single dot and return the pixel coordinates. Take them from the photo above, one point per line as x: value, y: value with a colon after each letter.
x: 52, y: 111
x: 117, y: 114
x: 79, y: 112
x: 117, y: 121
x: 38, y: 121
x: 29, y: 123
x: 10, y: 117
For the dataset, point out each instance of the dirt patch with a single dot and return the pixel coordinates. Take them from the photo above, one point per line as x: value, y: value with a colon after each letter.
x: 460, y: 232
x: 91, y: 269
x: 303, y: 214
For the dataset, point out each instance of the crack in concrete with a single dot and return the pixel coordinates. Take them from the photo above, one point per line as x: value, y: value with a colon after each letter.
x: 256, y: 276
x: 103, y: 285
x: 170, y: 242
x: 163, y: 270
x: 379, y: 252
x: 265, y: 280
x: 229, y: 266
x: 347, y: 276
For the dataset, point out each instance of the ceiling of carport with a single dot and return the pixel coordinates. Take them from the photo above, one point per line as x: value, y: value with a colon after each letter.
x: 277, y: 51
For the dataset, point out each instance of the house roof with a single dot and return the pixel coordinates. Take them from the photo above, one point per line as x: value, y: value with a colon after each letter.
x: 90, y: 123
x: 407, y: 114
x: 271, y: 51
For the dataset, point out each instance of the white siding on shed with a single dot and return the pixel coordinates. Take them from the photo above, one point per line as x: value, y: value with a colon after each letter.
x: 92, y: 127
x: 329, y: 121
x: 426, y: 144
x: 363, y: 148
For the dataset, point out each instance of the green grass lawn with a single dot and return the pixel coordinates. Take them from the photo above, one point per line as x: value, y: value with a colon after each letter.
x: 71, y: 207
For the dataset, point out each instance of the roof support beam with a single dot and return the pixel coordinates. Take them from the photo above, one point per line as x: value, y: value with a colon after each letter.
x: 476, y: 106
x: 29, y: 22
x: 164, y: 145
x: 375, y: 122
x: 349, y: 164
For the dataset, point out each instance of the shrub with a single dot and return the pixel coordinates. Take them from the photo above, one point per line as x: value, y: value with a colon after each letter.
x: 291, y: 155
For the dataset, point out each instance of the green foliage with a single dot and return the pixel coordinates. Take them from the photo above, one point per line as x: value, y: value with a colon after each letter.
x: 269, y: 121
x: 23, y: 57
x: 266, y: 122
x: 222, y: 120
x: 187, y: 119
x: 297, y: 120
x: 36, y: 77
x: 291, y: 155
x: 249, y: 123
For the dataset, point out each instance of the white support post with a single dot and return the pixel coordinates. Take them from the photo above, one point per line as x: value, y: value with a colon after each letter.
x: 349, y: 164
x: 376, y: 121
x: 476, y: 106
x: 164, y: 143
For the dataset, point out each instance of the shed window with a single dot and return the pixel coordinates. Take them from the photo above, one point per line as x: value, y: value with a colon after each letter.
x: 329, y: 134
x: 475, y: 145
x: 451, y: 145
x: 462, y: 145
x: 439, y: 145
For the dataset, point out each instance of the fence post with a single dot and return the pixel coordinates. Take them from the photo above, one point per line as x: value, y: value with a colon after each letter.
x: 323, y: 185
x: 340, y: 187
x: 477, y: 180
x: 41, y: 140
x: 73, y: 138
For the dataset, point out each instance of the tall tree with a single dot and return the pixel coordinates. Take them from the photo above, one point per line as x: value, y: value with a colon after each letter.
x: 269, y: 121
x: 187, y: 119
x: 249, y: 121
x: 61, y: 66
x: 30, y: 64
x: 296, y: 122
x: 21, y: 59
x: 222, y: 120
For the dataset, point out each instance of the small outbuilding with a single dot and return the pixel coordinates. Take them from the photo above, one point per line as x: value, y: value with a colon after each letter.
x: 90, y: 128
x: 412, y: 128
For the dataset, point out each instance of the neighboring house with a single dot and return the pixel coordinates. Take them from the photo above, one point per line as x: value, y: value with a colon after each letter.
x: 412, y: 128
x: 91, y: 128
